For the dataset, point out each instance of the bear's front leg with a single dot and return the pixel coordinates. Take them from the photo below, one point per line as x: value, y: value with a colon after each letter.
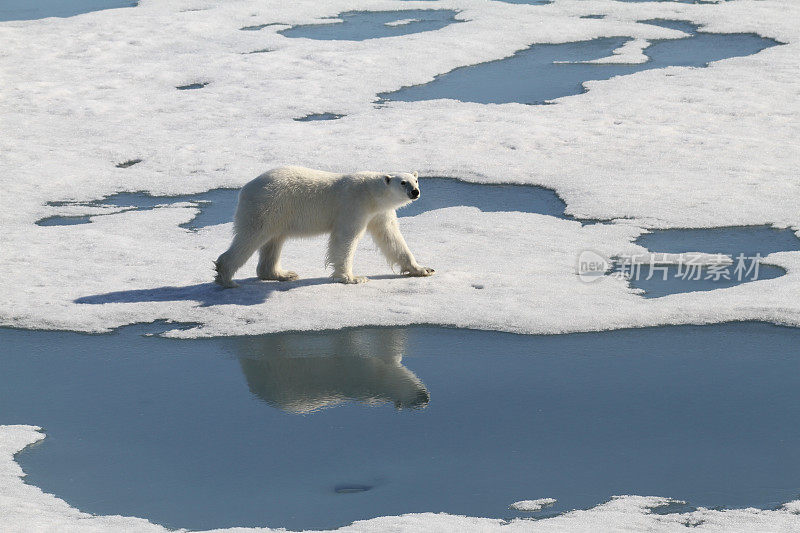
x: 386, y: 233
x: 341, y: 249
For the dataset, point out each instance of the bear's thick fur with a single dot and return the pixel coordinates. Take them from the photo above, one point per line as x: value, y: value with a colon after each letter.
x: 302, y: 202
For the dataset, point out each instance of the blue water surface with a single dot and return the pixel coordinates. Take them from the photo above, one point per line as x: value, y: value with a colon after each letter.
x: 544, y: 72
x: 319, y: 116
x: 315, y: 430
x: 363, y: 25
x: 38, y: 9
x: 744, y: 244
x: 732, y: 240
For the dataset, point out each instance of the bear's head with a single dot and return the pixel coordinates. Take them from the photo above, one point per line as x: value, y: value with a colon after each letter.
x: 402, y: 186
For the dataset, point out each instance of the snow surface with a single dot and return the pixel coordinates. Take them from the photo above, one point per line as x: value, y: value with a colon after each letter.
x: 26, y: 508
x: 630, y: 52
x: 400, y: 22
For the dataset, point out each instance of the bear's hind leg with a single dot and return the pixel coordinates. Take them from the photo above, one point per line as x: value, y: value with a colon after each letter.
x: 240, y: 250
x: 269, y: 262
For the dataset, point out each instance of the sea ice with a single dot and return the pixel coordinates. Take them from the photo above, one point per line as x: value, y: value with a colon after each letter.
x: 673, y: 147
x: 532, y: 505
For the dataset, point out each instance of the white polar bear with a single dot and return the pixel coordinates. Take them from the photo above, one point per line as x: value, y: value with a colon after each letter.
x: 302, y: 202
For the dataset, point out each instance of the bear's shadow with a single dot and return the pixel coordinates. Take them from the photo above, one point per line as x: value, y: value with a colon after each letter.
x: 251, y: 291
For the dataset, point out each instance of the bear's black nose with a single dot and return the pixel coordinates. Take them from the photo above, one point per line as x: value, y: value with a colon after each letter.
x: 414, y: 194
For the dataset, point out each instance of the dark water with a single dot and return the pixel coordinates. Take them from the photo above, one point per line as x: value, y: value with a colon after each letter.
x: 38, y: 9
x: 742, y: 243
x: 749, y: 240
x: 319, y: 116
x: 129, y: 163
x: 192, y: 86
x: 316, y: 430
x: 260, y: 51
x: 216, y: 206
x: 363, y: 25
x: 672, y: 279
x: 544, y: 72
x: 260, y: 26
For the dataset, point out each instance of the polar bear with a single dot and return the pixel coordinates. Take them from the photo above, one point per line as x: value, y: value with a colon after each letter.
x: 302, y: 202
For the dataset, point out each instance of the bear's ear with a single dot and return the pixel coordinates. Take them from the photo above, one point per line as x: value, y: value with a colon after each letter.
x: 387, y: 178
x: 416, y: 174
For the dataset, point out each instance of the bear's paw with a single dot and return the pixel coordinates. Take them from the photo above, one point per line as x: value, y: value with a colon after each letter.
x: 351, y: 280
x: 419, y: 272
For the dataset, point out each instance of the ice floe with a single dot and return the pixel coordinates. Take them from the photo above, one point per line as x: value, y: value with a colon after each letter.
x: 673, y: 147
x: 532, y: 505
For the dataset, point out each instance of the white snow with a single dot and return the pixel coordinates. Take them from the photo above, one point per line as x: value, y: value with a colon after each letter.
x: 630, y: 52
x: 25, y: 508
x: 675, y: 147
x: 401, y: 22
x: 532, y: 505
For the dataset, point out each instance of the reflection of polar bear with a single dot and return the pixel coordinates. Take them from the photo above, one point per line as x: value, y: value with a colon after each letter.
x: 301, y: 202
x: 304, y: 372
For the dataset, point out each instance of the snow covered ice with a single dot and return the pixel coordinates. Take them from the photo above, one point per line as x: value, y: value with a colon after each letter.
x: 674, y: 147
x: 532, y: 505
x: 95, y: 90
